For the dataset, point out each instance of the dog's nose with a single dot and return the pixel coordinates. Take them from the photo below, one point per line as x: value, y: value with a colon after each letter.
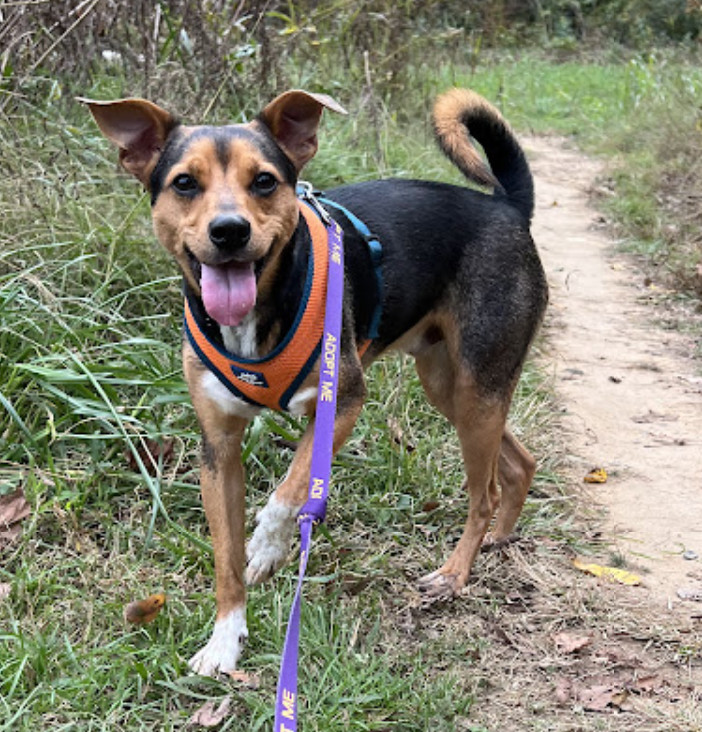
x: 229, y: 232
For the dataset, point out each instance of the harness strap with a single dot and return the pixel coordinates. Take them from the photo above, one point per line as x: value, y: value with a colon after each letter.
x: 375, y: 249
x: 272, y: 381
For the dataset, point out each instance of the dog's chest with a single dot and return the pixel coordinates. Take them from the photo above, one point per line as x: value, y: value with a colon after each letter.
x: 242, y: 338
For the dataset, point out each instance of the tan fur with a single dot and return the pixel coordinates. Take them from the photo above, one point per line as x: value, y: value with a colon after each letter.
x: 449, y: 110
x: 223, y: 488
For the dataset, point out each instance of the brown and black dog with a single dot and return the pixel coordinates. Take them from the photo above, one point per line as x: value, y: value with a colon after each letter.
x: 463, y: 292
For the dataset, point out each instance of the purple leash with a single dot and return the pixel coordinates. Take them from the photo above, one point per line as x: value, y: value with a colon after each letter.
x: 315, y: 509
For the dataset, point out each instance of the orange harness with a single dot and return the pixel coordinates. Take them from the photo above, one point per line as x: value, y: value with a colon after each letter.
x: 272, y: 381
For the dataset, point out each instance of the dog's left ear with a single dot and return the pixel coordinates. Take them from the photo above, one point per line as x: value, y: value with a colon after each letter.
x: 293, y: 118
x: 138, y: 127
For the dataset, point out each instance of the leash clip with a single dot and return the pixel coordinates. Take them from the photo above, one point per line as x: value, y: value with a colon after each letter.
x: 305, y: 191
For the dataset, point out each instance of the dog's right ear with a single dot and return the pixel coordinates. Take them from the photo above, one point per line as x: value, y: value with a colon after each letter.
x: 293, y: 119
x: 138, y: 127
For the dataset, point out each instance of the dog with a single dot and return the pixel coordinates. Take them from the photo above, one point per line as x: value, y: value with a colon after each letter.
x: 459, y: 287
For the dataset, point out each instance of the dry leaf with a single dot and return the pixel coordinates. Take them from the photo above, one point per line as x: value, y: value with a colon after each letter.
x: 151, y: 453
x: 570, y: 643
x: 598, y: 698
x: 613, y: 573
x: 596, y: 475
x: 649, y: 684
x: 250, y: 681
x: 697, y: 277
x: 14, y: 508
x: 5, y: 589
x: 141, y: 612
x: 208, y: 716
x: 398, y: 434
x: 563, y: 691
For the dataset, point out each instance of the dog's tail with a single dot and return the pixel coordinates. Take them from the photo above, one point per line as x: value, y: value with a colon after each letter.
x: 460, y: 114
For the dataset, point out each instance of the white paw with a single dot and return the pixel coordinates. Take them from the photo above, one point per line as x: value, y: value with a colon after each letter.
x: 224, y: 647
x: 271, y: 541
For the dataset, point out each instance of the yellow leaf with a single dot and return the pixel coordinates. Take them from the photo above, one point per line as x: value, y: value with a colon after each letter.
x: 618, y: 575
x: 144, y: 611
x: 596, y: 475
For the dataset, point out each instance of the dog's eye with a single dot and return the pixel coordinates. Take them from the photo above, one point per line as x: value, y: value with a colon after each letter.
x: 185, y: 185
x: 264, y: 184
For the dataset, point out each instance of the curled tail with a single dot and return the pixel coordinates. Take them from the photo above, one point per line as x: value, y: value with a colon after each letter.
x: 460, y: 114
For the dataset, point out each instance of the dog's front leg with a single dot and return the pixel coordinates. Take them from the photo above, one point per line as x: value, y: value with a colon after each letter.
x: 223, y: 497
x: 276, y: 523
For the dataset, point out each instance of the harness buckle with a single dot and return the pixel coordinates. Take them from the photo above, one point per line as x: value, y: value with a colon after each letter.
x: 305, y: 191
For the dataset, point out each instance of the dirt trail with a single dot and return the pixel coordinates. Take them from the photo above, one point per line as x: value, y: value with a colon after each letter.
x: 632, y: 402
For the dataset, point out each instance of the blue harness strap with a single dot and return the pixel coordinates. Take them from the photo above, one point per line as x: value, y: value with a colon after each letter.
x: 375, y: 249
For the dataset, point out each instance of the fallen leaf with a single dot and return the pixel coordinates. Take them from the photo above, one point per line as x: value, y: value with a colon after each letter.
x: 430, y: 506
x: 651, y: 417
x: 14, y: 508
x: 563, y: 691
x: 598, y: 698
x: 698, y: 277
x: 152, y: 453
x: 613, y: 573
x: 144, y: 611
x: 209, y: 716
x: 398, y: 434
x: 5, y: 589
x: 648, y: 684
x: 596, y: 475
x: 570, y: 643
x: 250, y: 681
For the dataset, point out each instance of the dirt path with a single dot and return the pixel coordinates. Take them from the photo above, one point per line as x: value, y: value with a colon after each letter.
x: 632, y: 401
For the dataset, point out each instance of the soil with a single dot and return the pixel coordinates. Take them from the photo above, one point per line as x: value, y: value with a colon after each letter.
x: 630, y: 389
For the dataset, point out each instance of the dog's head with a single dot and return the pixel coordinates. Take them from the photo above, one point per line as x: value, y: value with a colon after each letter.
x: 223, y: 198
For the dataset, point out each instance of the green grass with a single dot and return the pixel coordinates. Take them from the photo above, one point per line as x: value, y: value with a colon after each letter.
x: 89, y: 371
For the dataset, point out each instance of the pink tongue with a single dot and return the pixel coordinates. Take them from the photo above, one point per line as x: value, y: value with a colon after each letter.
x: 228, y: 292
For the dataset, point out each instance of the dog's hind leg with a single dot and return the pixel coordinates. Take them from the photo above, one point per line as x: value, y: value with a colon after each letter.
x: 480, y: 424
x: 515, y: 468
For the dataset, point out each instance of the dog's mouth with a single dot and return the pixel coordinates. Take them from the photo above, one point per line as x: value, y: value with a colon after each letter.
x: 228, y: 290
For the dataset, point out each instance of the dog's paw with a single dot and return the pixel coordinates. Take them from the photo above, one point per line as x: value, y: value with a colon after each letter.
x: 270, y: 544
x: 222, y: 652
x: 440, y: 586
